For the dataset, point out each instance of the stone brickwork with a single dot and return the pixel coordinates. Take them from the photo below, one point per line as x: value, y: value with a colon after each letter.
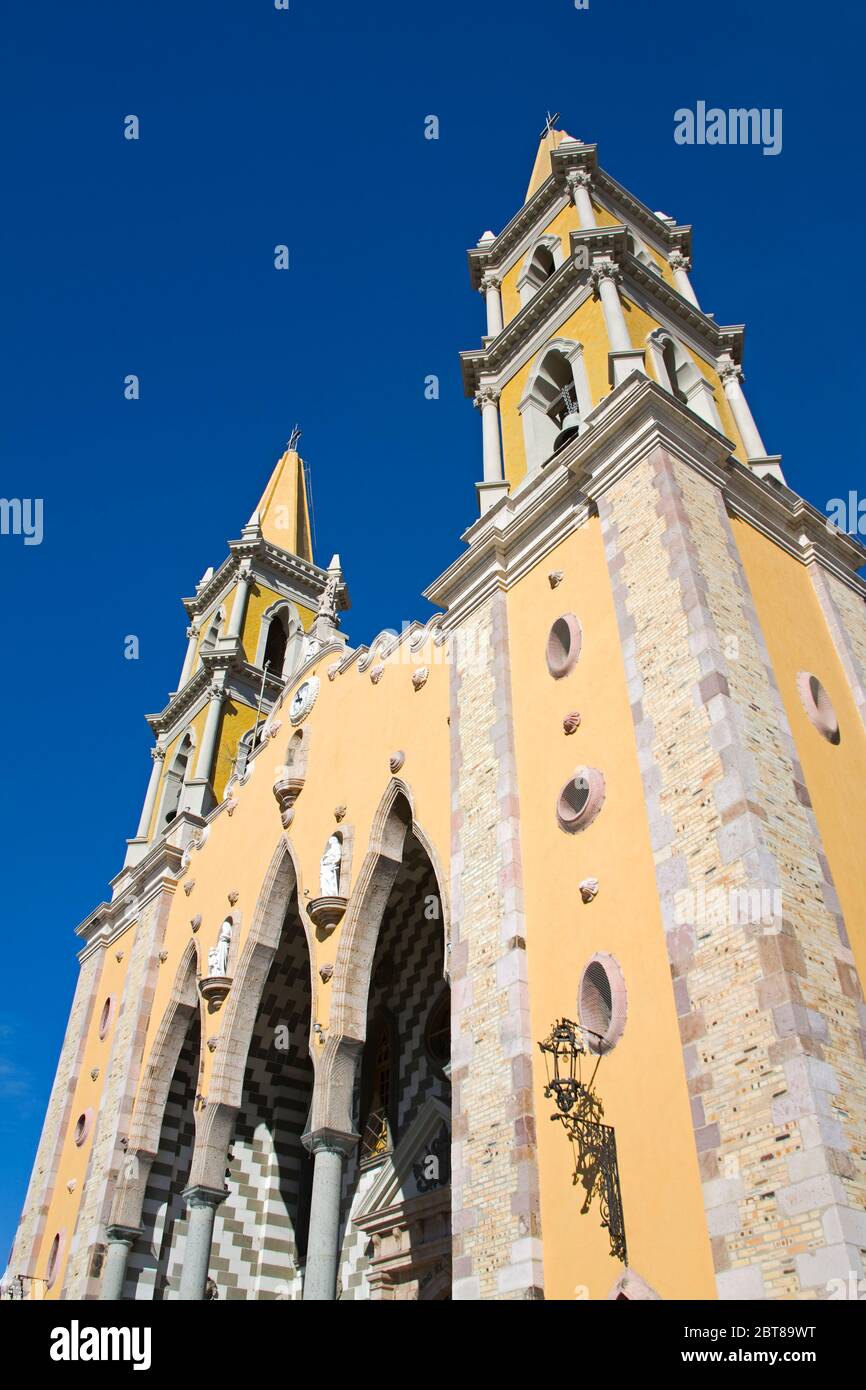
x: 764, y: 983
x: 496, y: 1222
x: 118, y: 1094
x: 25, y: 1250
x: 845, y: 612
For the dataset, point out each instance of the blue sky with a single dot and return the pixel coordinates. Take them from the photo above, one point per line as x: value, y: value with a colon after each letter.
x: 306, y: 128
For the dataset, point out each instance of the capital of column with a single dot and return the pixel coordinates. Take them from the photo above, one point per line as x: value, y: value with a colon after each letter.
x: 489, y: 281
x: 123, y: 1235
x: 333, y: 1141
x: 729, y: 371
x: 604, y: 270
x: 157, y: 754
x: 215, y: 691
x: 486, y: 395
x: 192, y: 631
x: 677, y: 260
x: 200, y: 1196
x: 579, y: 178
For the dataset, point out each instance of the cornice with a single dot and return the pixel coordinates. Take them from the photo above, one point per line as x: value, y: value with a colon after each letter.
x: 303, y: 579
x: 232, y: 666
x: 499, y: 352
x: 628, y: 425
x: 567, y: 156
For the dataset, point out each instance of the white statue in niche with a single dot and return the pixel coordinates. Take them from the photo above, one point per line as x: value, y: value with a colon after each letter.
x: 330, y: 867
x: 218, y: 955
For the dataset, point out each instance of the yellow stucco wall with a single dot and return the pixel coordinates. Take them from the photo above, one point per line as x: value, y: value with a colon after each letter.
x: 63, y: 1205
x: 354, y: 727
x: 798, y: 639
x: 642, y: 1081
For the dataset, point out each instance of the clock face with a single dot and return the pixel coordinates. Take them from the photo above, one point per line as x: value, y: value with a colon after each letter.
x: 303, y: 700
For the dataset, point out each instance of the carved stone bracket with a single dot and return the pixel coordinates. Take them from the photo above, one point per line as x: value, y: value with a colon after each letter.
x: 213, y: 989
x: 287, y: 790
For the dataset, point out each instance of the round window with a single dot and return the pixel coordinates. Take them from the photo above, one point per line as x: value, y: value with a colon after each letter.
x: 818, y: 705
x: 563, y: 645
x: 601, y: 1001
x: 580, y: 800
x: 105, y: 1016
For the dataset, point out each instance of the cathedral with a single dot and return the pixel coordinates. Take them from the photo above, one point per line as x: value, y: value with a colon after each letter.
x: 519, y: 954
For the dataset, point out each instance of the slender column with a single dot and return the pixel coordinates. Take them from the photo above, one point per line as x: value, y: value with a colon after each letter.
x: 202, y: 1203
x: 623, y: 358
x: 330, y: 1150
x: 204, y: 763
x: 192, y: 641
x: 731, y: 376
x: 579, y: 183
x: 681, y: 265
x: 158, y: 756
x: 487, y: 401
x: 120, y: 1241
x: 239, y: 607
x: 491, y: 289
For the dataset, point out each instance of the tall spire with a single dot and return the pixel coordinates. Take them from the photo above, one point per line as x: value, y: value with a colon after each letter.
x: 550, y: 140
x: 283, y: 512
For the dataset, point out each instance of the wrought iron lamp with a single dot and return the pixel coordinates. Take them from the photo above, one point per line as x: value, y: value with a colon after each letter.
x: 593, y: 1142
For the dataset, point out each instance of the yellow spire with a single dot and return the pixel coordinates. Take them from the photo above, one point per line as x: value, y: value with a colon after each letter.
x: 283, y: 514
x: 550, y: 140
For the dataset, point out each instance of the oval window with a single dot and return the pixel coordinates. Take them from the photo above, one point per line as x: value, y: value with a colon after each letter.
x: 82, y: 1127
x: 563, y: 645
x: 601, y: 1003
x: 105, y: 1016
x: 53, y: 1260
x: 818, y: 706
x: 580, y: 800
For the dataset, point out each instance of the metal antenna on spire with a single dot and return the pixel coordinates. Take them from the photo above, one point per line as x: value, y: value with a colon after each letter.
x: 294, y: 437
x: 549, y: 123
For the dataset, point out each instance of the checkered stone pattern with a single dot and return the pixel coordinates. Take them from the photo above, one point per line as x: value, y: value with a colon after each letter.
x: 153, y: 1269
x: 407, y: 979
x: 255, y: 1248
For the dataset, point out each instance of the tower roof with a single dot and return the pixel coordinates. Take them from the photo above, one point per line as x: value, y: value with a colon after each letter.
x: 549, y: 141
x: 283, y: 512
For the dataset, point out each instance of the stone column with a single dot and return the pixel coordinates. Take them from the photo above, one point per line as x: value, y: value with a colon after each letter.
x: 120, y: 1241
x: 494, y: 486
x: 731, y: 376
x: 491, y: 289
x: 330, y: 1149
x: 204, y: 763
x: 158, y: 756
x: 579, y: 183
x: 202, y: 1203
x: 192, y: 642
x: 239, y: 607
x: 623, y: 358
x: 681, y: 265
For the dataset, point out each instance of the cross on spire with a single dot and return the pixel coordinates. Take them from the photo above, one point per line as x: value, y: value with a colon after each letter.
x: 549, y: 123
x: 294, y: 438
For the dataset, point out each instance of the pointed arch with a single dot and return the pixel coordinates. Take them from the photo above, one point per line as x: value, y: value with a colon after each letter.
x: 149, y: 1110
x: 393, y: 822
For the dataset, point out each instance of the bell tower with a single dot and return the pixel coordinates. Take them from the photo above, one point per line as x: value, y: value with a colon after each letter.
x: 584, y: 287
x: 251, y: 627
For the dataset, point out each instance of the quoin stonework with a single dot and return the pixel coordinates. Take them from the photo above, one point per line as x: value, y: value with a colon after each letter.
x: 610, y: 799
